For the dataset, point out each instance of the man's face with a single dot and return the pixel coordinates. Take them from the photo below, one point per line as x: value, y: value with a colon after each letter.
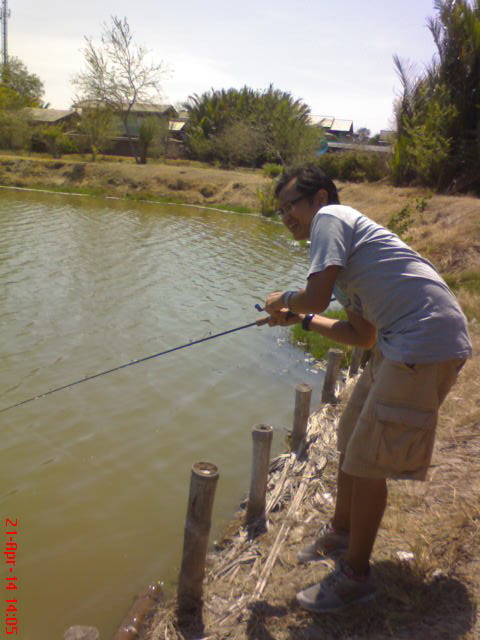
x: 297, y: 210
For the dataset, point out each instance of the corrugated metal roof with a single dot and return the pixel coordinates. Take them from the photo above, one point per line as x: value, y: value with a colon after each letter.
x: 341, y: 125
x: 359, y: 147
x: 144, y: 107
x: 176, y: 125
x: 322, y: 121
x: 332, y: 123
x: 49, y: 115
x: 138, y: 107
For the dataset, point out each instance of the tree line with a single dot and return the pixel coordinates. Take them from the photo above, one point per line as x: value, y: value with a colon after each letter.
x: 437, y: 141
x: 438, y: 114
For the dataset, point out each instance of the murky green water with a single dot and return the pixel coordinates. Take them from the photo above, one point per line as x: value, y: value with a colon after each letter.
x: 97, y: 475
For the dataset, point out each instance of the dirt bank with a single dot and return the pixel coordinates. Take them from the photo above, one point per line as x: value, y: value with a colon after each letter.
x: 177, y: 183
x: 426, y: 559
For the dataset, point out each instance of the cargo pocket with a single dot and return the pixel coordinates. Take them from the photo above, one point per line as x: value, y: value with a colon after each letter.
x: 404, y: 437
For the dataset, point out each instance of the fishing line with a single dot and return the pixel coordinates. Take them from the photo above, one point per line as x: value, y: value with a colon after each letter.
x: 257, y: 323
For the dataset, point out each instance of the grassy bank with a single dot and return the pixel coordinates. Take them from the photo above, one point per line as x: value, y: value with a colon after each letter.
x: 318, y: 345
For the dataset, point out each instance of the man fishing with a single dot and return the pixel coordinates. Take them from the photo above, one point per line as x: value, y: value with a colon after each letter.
x: 397, y: 303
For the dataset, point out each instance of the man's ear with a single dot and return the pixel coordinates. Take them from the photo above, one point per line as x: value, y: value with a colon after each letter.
x: 321, y: 198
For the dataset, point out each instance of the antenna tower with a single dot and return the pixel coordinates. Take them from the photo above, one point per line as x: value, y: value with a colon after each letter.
x: 4, y: 15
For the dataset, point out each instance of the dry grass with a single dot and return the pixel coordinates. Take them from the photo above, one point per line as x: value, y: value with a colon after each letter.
x: 431, y: 593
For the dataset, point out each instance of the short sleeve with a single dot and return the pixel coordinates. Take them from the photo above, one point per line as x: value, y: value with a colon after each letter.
x: 330, y: 242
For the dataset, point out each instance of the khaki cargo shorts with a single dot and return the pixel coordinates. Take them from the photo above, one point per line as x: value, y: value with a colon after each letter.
x: 387, y: 429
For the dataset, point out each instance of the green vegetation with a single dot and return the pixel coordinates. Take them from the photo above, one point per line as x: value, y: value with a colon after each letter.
x: 56, y: 141
x: 316, y: 344
x: 438, y: 114
x: 268, y: 201
x: 15, y: 131
x: 355, y: 166
x: 467, y: 280
x: 401, y: 221
x: 153, y: 136
x: 95, y: 130
x: 272, y: 170
x: 249, y: 128
x: 18, y: 87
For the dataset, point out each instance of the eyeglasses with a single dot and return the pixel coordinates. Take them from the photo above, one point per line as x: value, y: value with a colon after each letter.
x: 288, y: 206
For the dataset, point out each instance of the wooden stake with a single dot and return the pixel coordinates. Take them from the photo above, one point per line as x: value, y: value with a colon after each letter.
x: 262, y: 439
x: 203, y: 482
x: 303, y: 396
x: 331, y: 375
x: 357, y: 354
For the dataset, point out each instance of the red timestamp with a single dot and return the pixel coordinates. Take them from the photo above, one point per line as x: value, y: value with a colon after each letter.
x: 11, y: 586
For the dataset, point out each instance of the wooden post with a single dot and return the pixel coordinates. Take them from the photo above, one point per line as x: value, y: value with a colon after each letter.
x: 203, y: 482
x: 357, y: 354
x: 262, y: 439
x: 303, y: 396
x: 143, y: 607
x: 331, y: 375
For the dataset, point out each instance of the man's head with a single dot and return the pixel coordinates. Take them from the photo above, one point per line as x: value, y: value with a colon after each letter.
x: 301, y: 192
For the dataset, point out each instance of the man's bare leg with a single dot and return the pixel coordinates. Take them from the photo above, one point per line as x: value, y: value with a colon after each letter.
x: 368, y: 502
x: 341, y: 517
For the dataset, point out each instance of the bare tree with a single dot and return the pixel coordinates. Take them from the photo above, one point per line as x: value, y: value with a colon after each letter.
x: 118, y: 74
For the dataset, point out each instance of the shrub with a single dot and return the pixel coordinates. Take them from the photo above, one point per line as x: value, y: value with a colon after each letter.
x: 354, y: 166
x: 239, y: 143
x: 272, y: 169
x: 15, y: 132
x: 267, y: 199
x: 401, y: 221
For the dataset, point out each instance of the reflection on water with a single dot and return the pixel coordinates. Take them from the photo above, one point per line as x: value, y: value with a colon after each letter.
x: 98, y: 474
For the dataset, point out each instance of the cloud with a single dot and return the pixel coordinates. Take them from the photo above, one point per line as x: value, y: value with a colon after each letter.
x: 194, y: 74
x: 54, y: 60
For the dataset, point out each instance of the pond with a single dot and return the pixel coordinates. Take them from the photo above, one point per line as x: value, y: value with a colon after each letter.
x: 96, y: 476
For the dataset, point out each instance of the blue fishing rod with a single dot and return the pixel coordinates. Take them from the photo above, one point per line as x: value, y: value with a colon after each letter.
x: 257, y: 323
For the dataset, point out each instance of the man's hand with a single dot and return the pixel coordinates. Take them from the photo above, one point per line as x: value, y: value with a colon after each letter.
x: 283, y: 318
x: 274, y: 302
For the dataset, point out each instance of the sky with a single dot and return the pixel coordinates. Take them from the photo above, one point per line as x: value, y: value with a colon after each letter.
x: 335, y: 56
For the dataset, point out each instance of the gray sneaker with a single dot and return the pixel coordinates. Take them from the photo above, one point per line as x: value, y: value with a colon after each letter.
x: 329, y: 543
x: 338, y: 590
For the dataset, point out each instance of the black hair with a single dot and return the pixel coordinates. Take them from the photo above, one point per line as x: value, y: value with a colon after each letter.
x: 309, y: 180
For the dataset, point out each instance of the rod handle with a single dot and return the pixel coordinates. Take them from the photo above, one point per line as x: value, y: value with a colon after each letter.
x: 261, y: 322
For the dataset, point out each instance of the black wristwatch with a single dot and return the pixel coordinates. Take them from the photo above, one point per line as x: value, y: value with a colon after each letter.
x: 306, y: 321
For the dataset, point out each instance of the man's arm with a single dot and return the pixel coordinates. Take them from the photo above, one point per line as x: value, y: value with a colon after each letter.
x: 315, y: 298
x: 355, y: 331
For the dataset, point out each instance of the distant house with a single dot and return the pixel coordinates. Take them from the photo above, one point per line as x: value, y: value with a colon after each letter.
x: 52, y: 117
x: 177, y: 128
x: 335, y: 128
x: 386, y: 136
x: 356, y: 146
x: 138, y: 112
x: 120, y: 144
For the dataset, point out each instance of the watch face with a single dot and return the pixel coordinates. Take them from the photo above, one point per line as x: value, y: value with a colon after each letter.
x: 306, y: 322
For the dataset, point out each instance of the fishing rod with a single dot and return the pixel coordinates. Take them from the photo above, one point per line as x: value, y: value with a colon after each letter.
x: 257, y: 323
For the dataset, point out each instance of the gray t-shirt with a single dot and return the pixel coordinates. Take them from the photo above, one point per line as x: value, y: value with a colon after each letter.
x: 417, y: 317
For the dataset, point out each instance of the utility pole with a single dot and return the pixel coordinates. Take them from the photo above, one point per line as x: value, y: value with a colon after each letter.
x: 4, y: 15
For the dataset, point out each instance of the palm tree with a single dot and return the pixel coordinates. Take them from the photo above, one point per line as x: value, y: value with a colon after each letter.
x: 448, y: 91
